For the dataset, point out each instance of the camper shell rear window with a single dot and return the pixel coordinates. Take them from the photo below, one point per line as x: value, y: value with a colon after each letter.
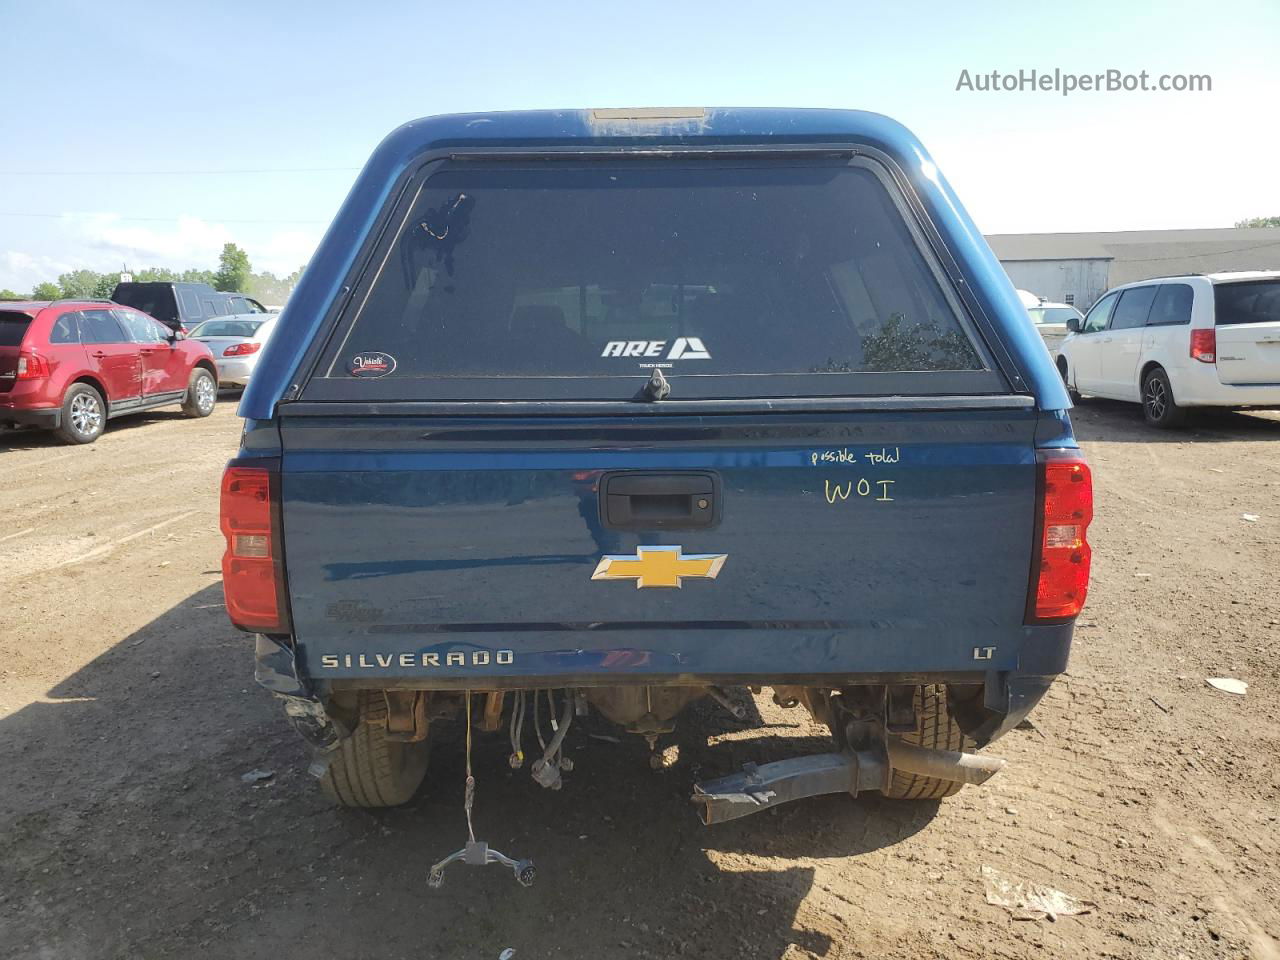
x: 574, y: 280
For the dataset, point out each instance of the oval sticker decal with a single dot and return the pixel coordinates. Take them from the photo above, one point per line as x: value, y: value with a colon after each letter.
x: 372, y: 364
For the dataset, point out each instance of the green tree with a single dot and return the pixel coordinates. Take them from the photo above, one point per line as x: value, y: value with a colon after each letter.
x: 46, y: 291
x: 79, y: 283
x: 7, y: 294
x: 106, y: 284
x: 234, y: 269
x: 903, y: 345
x: 270, y: 289
x: 1259, y: 222
x: 157, y: 275
x: 197, y: 276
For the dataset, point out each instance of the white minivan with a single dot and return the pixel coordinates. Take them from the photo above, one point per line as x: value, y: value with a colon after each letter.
x: 1179, y: 342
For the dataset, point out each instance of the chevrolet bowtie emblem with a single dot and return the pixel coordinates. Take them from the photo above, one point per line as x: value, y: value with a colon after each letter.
x: 659, y: 567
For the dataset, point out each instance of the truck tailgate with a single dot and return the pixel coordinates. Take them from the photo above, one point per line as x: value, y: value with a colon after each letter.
x: 856, y: 542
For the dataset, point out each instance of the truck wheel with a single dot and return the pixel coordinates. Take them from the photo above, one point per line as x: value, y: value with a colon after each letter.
x: 367, y: 769
x: 937, y: 731
x: 1158, y: 406
x: 202, y: 394
x: 84, y: 415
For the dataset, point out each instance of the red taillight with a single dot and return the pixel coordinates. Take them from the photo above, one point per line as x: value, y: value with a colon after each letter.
x: 252, y: 568
x: 1061, y: 571
x: 1204, y: 345
x: 32, y: 366
x: 242, y: 349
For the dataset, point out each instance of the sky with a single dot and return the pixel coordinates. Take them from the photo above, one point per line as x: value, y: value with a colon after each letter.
x: 149, y: 134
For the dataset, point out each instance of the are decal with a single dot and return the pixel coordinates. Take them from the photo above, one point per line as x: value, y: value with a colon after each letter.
x: 371, y: 364
x: 682, y: 348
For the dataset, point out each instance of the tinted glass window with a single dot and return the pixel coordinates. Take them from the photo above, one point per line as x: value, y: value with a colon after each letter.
x: 190, y: 305
x: 100, y: 326
x: 141, y: 329
x: 65, y: 330
x: 1133, y: 308
x: 226, y: 328
x: 13, y: 326
x: 215, y: 308
x: 1172, y: 305
x: 155, y: 299
x: 612, y: 270
x: 244, y: 305
x: 1256, y: 302
x: 1100, y: 314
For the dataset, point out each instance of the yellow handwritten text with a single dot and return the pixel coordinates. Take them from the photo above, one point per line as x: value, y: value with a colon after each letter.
x: 862, y: 487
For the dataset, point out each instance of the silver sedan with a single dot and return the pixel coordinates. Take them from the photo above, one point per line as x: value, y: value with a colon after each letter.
x: 236, y: 343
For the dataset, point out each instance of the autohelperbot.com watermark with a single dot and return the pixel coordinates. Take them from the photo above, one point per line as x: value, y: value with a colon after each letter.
x: 1064, y: 82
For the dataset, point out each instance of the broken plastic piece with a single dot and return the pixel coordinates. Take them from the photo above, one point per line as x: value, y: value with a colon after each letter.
x: 320, y: 766
x: 1031, y: 901
x: 1228, y: 685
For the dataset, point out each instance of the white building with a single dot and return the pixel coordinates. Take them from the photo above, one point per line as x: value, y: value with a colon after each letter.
x: 1077, y: 268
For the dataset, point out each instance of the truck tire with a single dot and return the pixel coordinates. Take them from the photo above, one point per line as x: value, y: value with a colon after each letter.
x: 202, y: 394
x: 369, y: 770
x: 938, y: 731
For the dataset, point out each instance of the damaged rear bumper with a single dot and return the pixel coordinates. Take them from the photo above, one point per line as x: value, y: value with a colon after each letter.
x: 276, y: 669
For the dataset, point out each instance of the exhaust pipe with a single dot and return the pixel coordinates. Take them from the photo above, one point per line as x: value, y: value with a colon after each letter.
x: 943, y: 764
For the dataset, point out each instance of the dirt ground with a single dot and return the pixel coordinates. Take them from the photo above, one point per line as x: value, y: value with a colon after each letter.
x: 128, y: 715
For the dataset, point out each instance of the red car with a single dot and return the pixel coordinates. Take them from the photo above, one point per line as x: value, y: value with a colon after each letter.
x: 71, y: 365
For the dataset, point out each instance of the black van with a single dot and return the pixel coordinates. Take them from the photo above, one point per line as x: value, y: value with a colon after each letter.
x: 182, y: 305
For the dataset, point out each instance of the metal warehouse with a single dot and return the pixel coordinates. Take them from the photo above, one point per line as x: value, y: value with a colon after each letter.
x: 1077, y: 268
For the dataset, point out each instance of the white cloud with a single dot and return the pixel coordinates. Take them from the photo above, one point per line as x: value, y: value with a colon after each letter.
x: 284, y: 251
x: 189, y: 241
x: 21, y: 271
x: 107, y: 242
x: 192, y: 241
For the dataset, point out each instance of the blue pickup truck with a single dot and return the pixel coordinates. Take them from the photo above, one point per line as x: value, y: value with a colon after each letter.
x: 610, y: 410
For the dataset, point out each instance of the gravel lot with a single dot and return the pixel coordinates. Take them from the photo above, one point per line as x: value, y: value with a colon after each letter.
x: 128, y: 714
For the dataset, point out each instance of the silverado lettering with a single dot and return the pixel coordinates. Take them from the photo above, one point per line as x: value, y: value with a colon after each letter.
x: 362, y: 661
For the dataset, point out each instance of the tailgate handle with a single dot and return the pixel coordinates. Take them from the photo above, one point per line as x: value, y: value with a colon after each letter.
x: 659, y: 501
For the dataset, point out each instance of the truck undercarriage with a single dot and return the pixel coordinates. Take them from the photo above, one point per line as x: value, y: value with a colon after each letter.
x: 904, y: 736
